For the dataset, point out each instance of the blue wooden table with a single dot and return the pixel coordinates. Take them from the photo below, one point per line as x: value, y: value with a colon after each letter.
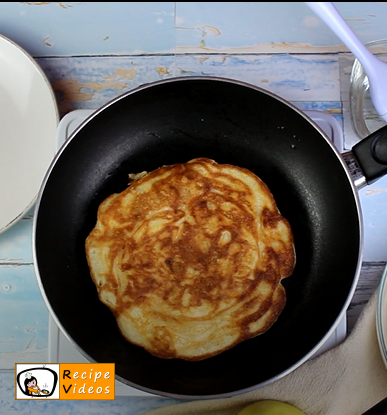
x: 298, y: 73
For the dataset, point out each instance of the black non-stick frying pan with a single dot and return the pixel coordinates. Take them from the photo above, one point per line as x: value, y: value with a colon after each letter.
x: 175, y: 121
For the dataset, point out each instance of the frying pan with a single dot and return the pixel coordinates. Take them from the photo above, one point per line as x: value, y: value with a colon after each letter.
x: 174, y: 121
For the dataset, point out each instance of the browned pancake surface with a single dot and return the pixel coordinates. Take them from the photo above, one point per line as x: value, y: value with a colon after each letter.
x: 190, y: 258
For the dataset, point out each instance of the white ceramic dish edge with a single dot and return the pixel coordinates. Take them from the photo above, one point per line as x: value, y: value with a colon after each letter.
x: 381, y: 316
x: 28, y: 121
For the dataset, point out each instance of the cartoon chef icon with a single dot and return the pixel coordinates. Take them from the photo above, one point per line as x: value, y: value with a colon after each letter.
x: 31, y: 386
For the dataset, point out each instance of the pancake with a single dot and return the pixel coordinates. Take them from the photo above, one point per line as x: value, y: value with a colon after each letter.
x: 190, y: 257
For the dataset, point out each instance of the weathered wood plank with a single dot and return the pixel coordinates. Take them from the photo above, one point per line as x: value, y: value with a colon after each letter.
x: 139, y: 28
x: 369, y: 280
x: 24, y: 317
x: 88, y: 83
x: 16, y: 242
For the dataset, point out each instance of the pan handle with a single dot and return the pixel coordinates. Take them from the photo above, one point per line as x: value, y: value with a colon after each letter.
x: 370, y: 154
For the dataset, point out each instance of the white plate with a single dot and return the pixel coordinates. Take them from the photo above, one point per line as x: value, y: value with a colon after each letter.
x: 28, y: 122
x: 381, y: 316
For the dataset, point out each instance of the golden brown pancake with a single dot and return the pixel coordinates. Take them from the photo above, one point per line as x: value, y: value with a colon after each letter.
x: 190, y: 257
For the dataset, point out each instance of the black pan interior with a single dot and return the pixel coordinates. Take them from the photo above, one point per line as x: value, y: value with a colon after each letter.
x: 230, y: 122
